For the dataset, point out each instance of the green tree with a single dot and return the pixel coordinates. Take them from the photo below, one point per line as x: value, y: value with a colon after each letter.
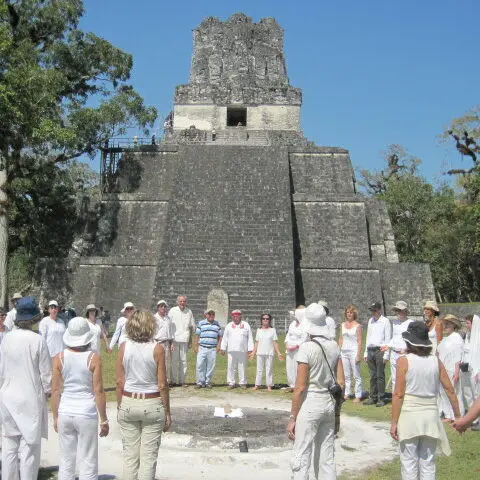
x: 51, y: 75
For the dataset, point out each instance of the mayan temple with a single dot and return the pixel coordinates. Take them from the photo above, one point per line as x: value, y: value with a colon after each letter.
x: 233, y: 205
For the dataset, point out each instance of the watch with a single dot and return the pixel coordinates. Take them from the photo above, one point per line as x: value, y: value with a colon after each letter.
x: 292, y: 417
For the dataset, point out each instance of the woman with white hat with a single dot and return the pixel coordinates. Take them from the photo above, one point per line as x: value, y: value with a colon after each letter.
x: 415, y: 420
x: 142, y: 396
x: 25, y: 376
x: 450, y: 352
x: 312, y: 419
x: 78, y: 398
x: 119, y: 334
x: 96, y: 326
x: 431, y: 312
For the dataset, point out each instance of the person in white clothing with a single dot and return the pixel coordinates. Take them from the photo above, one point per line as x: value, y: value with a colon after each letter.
x: 25, y: 383
x: 265, y: 347
x: 119, y: 335
x: 295, y: 336
x: 350, y: 343
x: 331, y: 324
x: 96, y: 326
x: 397, y: 345
x: 142, y: 397
x: 415, y: 421
x: 164, y: 334
x: 237, y: 340
x: 450, y: 352
x: 77, y: 394
x: 431, y: 313
x: 52, y: 328
x: 312, y: 419
x: 183, y: 328
x: 10, y: 320
x: 379, y: 333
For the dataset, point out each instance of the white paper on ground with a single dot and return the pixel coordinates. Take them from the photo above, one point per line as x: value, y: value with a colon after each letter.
x: 235, y: 413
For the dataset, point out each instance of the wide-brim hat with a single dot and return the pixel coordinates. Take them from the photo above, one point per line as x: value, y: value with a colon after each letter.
x: 78, y: 333
x: 417, y: 335
x: 401, y: 306
x: 127, y: 305
x: 429, y: 305
x: 27, y: 310
x: 17, y: 296
x: 300, y: 314
x: 452, y: 319
x: 324, y: 304
x: 91, y: 306
x: 315, y: 320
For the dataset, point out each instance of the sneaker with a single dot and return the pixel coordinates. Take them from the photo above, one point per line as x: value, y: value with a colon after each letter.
x: 370, y: 401
x: 380, y: 403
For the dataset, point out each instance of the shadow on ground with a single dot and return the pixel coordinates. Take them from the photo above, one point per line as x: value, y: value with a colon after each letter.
x: 51, y: 473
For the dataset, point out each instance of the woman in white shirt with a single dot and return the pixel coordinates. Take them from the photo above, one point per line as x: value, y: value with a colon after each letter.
x: 431, y: 312
x: 142, y: 396
x: 52, y: 328
x: 450, y: 352
x: 265, y: 347
x: 415, y: 420
x: 295, y: 336
x: 350, y: 343
x: 96, y: 326
x: 77, y: 395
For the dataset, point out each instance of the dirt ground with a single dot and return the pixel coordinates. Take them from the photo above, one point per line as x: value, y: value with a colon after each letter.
x: 210, y: 453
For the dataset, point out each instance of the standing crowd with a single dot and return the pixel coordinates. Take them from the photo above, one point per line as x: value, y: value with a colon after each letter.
x: 434, y: 372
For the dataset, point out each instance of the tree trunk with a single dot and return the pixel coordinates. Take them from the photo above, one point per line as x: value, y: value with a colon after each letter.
x: 3, y: 236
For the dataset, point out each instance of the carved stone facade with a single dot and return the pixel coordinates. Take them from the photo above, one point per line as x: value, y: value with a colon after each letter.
x: 253, y: 210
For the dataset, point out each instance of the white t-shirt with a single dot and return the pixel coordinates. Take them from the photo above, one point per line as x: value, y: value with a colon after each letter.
x: 96, y: 328
x: 52, y: 331
x: 265, y: 338
x: 237, y: 338
x: 320, y: 377
x: 182, y: 322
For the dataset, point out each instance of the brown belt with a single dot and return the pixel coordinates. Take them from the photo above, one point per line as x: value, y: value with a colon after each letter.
x: 141, y: 396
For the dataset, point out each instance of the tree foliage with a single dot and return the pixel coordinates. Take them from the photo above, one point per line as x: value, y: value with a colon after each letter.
x: 63, y: 92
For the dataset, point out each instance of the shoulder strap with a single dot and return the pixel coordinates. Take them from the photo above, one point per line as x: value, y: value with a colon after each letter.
x: 326, y: 359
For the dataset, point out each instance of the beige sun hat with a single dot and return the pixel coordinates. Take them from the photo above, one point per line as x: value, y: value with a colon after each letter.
x: 431, y: 306
x: 452, y: 319
x: 17, y: 296
x: 401, y: 305
x: 91, y: 306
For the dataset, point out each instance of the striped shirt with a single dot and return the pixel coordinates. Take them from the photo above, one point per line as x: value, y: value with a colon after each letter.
x: 208, y: 333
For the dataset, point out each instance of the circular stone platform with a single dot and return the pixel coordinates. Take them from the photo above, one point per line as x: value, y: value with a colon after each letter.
x: 260, y: 427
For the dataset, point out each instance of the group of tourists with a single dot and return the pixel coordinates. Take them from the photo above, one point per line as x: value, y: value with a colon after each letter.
x: 435, y: 373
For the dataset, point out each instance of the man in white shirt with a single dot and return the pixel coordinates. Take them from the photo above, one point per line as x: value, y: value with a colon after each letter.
x: 237, y: 340
x: 11, y: 315
x: 119, y: 335
x: 164, y: 333
x: 397, y: 345
x: 183, y: 327
x: 379, y: 333
x: 332, y: 326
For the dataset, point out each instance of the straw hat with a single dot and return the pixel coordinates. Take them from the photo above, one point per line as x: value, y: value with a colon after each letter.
x: 431, y: 306
x: 452, y: 319
x: 91, y: 306
x: 78, y: 333
x: 401, y: 305
x: 16, y: 296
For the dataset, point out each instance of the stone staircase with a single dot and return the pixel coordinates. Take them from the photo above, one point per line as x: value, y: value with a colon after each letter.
x: 229, y: 227
x: 239, y: 136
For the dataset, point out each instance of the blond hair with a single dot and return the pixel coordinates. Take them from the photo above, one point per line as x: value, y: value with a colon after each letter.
x: 353, y: 309
x: 141, y: 326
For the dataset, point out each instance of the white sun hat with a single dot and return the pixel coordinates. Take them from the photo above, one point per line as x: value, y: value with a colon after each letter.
x: 127, y: 305
x: 315, y: 320
x: 78, y: 333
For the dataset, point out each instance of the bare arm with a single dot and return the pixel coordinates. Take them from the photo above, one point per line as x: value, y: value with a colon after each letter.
x: 340, y: 338
x: 298, y: 397
x: 57, y: 387
x: 359, y: 342
x: 159, y: 356
x: 449, y: 390
x: 100, y: 399
x: 340, y: 374
x: 277, y: 349
x: 120, y: 374
x: 439, y: 330
x: 461, y: 424
x: 398, y: 395
x: 195, y: 343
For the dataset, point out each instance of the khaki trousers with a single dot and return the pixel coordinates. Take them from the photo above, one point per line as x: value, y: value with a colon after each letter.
x: 141, y: 423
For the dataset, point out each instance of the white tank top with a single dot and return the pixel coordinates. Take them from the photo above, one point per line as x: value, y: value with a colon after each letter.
x: 140, y: 367
x: 77, y: 398
x: 423, y: 376
x: 432, y: 336
x: 349, y: 336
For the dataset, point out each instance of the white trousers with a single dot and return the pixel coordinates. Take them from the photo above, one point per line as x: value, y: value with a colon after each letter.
x: 20, y: 460
x: 78, y: 438
x: 291, y: 364
x: 469, y: 394
x: 417, y: 458
x: 264, y: 362
x: 315, y: 434
x: 141, y: 423
x: 179, y: 363
x: 444, y: 403
x: 237, y: 362
x: 351, y: 367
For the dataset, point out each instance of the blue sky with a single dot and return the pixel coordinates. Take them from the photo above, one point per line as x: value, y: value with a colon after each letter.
x: 372, y: 72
